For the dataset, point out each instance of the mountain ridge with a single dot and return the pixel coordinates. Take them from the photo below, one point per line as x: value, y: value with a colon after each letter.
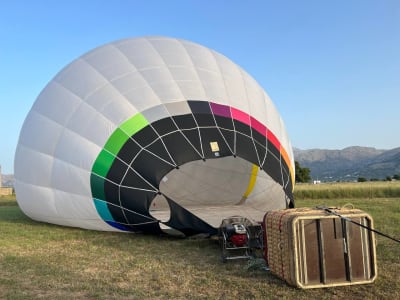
x: 350, y: 163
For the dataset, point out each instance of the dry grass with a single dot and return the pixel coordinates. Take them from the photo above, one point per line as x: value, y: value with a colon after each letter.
x: 341, y: 190
x: 41, y: 261
x: 349, y: 185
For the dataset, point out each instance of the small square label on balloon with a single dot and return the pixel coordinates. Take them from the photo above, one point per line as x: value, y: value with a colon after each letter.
x: 214, y: 146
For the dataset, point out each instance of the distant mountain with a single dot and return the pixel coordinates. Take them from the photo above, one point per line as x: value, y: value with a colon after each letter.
x: 350, y: 163
x: 7, y: 180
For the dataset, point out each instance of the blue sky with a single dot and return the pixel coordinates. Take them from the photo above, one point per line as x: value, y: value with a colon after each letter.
x: 331, y: 67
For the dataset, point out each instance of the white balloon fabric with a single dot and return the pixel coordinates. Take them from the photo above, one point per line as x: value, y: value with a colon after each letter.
x: 150, y: 133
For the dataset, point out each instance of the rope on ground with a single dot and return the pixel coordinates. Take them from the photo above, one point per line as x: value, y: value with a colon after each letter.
x: 333, y: 212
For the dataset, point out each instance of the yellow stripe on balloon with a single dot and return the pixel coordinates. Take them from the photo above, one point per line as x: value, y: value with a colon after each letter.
x: 252, y: 182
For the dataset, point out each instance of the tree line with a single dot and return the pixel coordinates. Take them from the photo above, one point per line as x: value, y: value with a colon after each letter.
x: 387, y: 178
x: 303, y: 175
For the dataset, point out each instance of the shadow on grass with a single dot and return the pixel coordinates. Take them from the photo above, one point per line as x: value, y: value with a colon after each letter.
x: 13, y: 214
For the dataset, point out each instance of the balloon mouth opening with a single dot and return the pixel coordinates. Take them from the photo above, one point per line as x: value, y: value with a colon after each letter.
x: 207, y: 188
x: 213, y: 182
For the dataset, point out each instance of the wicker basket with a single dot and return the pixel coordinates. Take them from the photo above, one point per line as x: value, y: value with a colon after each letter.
x: 311, y: 248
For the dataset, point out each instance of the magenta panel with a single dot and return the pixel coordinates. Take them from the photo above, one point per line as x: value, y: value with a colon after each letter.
x: 220, y: 110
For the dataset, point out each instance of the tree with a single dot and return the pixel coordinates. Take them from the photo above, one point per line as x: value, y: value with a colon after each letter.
x: 362, y: 179
x: 302, y: 174
x: 396, y: 176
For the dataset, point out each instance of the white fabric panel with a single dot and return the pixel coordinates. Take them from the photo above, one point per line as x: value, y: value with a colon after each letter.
x: 76, y: 150
x: 170, y: 51
x: 283, y: 138
x: 110, y: 62
x: 208, y: 72
x: 162, y: 83
x: 157, y: 75
x: 201, y: 57
x: 234, y: 83
x: 56, y: 103
x: 44, y: 142
x: 143, y: 97
x: 140, y: 53
x: 273, y: 119
x: 137, y: 91
x: 213, y: 85
x: 113, y: 105
x: 180, y: 66
x: 100, y: 130
x: 128, y: 82
x: 191, y: 89
x: 68, y: 178
x: 103, y: 96
x: 83, y: 85
x: 185, y: 73
x: 179, y: 108
x: 90, y: 124
x: 40, y: 165
x: 76, y: 207
x: 35, y: 201
x: 255, y: 96
x: 156, y: 113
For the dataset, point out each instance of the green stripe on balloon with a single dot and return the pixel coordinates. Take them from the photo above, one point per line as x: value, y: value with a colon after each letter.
x: 116, y: 141
x: 103, y: 163
x: 97, y: 186
x: 119, y: 137
x: 106, y: 158
x: 134, y: 124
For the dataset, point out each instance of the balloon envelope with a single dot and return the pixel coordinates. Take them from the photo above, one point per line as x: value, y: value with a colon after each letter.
x: 151, y: 133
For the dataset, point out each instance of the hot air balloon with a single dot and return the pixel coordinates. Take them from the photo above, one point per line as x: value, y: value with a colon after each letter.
x: 149, y: 134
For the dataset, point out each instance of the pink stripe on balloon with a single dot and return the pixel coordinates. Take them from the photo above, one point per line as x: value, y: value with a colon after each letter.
x: 258, y: 126
x: 240, y: 116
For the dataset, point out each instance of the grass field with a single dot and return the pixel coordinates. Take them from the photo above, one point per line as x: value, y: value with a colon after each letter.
x: 360, y: 190
x: 42, y: 261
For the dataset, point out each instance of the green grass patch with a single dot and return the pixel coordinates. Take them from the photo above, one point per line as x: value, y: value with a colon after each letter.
x: 43, y: 261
